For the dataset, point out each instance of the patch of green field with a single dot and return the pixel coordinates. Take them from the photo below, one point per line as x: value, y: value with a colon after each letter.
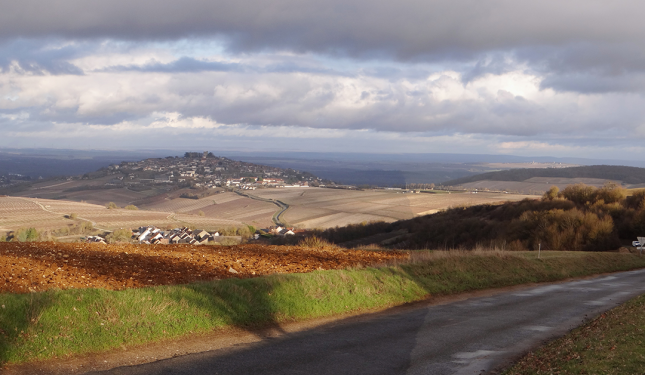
x: 62, y: 323
x: 610, y: 344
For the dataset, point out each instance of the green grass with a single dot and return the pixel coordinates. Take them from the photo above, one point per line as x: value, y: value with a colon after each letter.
x: 610, y: 344
x: 61, y: 323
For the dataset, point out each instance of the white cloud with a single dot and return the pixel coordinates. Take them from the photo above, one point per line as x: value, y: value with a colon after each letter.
x: 180, y: 91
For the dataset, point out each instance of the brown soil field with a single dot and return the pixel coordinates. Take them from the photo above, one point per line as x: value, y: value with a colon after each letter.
x: 37, y: 266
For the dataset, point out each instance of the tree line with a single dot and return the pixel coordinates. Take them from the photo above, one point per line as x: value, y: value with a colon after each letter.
x: 580, y: 217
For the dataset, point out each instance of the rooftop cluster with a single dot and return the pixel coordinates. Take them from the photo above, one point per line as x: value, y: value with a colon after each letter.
x: 151, y: 235
x: 206, y: 171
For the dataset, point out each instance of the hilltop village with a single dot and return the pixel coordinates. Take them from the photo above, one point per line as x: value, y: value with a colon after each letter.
x: 205, y: 170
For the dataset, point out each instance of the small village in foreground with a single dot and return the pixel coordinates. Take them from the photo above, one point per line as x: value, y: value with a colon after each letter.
x: 151, y: 235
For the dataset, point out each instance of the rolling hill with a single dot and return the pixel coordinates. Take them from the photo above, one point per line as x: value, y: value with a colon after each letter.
x: 539, y: 180
x: 627, y: 175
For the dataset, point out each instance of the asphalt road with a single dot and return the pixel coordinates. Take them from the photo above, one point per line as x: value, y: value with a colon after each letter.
x: 466, y: 337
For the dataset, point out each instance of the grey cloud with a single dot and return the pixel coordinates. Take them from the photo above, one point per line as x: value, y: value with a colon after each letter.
x: 587, y: 68
x: 183, y: 64
x: 590, y: 84
x: 493, y: 63
x: 562, y: 41
x: 192, y: 65
x: 36, y: 57
x: 406, y: 29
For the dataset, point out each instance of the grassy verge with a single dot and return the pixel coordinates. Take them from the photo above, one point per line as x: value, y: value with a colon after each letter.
x: 61, y: 323
x: 610, y: 344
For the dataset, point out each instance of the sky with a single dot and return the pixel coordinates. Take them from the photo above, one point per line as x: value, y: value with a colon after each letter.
x: 529, y: 78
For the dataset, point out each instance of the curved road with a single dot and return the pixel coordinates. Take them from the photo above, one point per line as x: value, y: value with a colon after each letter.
x: 474, y: 336
x: 276, y: 217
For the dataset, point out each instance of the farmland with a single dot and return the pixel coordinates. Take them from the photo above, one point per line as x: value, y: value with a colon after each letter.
x: 535, y: 185
x: 16, y: 212
x: 324, y: 208
x: 308, y: 208
x: 30, y: 267
x: 91, y: 191
x: 538, y: 180
x: 224, y: 206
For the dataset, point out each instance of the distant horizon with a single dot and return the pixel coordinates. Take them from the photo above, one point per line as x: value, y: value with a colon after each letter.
x: 335, y: 154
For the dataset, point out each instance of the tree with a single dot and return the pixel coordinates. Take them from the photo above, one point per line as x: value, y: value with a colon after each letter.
x: 24, y: 235
x: 119, y: 235
x: 551, y: 194
x: 610, y: 193
x: 579, y: 194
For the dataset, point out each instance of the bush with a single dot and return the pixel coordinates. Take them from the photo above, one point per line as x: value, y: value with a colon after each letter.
x: 111, y: 206
x: 119, y: 235
x: 131, y: 207
x: 551, y: 194
x: 229, y: 242
x: 73, y: 216
x: 610, y: 193
x: 26, y: 235
x: 579, y: 194
x: 636, y: 201
x: 315, y: 242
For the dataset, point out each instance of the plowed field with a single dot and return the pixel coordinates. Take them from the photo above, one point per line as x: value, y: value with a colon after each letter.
x: 38, y: 266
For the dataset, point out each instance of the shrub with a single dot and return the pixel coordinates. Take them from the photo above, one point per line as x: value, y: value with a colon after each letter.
x: 119, y: 235
x: 551, y: 194
x: 26, y: 235
x: 46, y: 236
x: 579, y: 194
x: 111, y: 206
x: 610, y: 193
x: 73, y: 216
x: 314, y: 242
x: 637, y: 200
x: 86, y: 227
x: 131, y: 207
x: 229, y: 242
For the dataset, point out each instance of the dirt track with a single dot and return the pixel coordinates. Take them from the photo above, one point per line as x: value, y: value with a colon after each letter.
x: 37, y: 266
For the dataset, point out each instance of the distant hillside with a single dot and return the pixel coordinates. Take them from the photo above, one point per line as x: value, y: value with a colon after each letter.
x: 577, y: 218
x: 628, y: 175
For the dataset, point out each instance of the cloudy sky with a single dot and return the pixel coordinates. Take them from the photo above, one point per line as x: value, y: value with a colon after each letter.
x: 425, y: 76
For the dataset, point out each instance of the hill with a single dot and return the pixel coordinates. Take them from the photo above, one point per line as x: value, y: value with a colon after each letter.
x: 627, y: 175
x: 579, y: 218
x: 199, y: 174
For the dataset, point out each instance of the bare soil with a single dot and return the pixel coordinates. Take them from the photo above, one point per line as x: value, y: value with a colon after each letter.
x: 38, y: 266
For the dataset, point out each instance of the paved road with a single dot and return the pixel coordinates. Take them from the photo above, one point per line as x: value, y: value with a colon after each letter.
x: 276, y: 217
x: 464, y: 337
